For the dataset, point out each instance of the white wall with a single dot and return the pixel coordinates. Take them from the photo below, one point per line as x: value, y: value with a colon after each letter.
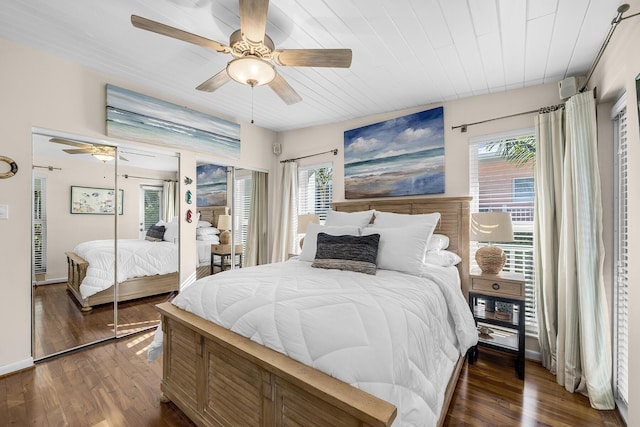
x: 39, y: 90
x: 617, y: 71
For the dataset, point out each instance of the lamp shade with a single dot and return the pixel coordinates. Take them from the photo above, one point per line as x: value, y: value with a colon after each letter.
x: 305, y: 220
x: 224, y: 222
x: 491, y: 227
x: 251, y: 70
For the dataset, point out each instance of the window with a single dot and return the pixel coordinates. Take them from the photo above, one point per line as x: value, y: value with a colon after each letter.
x: 501, y: 180
x: 523, y: 189
x: 315, y: 190
x: 621, y: 259
x: 39, y: 225
x: 242, y: 202
x: 151, y: 207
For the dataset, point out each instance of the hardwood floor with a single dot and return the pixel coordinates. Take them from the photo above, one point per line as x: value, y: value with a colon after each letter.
x: 60, y: 325
x: 112, y: 384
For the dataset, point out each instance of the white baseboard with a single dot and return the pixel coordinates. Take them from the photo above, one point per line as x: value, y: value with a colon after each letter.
x: 50, y: 281
x: 533, y: 355
x: 16, y: 366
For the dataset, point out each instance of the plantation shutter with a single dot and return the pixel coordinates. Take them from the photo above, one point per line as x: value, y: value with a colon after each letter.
x: 621, y: 284
x: 40, y: 225
x: 498, y: 185
x: 242, y: 201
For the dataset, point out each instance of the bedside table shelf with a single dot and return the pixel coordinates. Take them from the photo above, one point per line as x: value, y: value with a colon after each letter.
x: 497, y: 304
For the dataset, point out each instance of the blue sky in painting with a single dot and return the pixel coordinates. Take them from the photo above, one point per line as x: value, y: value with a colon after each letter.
x: 211, y: 185
x: 402, y: 135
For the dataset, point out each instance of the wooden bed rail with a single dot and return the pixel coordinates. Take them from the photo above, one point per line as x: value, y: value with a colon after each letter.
x: 76, y: 268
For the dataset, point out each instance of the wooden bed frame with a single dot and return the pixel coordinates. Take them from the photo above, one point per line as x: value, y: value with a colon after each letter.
x: 218, y: 378
x: 138, y: 287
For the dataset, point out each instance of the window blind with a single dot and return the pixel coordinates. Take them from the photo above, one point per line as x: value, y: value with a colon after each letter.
x: 40, y: 225
x: 242, y: 201
x: 621, y: 319
x: 499, y: 185
x: 315, y: 190
x: 151, y: 205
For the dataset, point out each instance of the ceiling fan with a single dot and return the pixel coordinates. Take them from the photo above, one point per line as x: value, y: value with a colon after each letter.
x: 104, y: 153
x: 253, y: 52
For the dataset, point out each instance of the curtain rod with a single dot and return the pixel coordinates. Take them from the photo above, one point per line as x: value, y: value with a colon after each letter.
x: 146, y: 177
x: 334, y: 151
x: 463, y: 127
x: 621, y: 9
x: 51, y: 168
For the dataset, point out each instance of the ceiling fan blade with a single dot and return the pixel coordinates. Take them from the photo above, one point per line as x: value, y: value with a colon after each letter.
x: 253, y: 19
x: 215, y: 82
x: 284, y: 90
x: 166, y: 30
x: 68, y: 142
x: 338, y: 58
x: 79, y: 151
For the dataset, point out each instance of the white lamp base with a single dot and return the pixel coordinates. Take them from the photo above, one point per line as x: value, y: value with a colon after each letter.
x: 490, y: 259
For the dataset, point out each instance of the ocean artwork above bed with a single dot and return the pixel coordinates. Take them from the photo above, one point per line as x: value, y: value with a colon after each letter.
x: 139, y: 117
x: 211, y: 185
x: 398, y: 157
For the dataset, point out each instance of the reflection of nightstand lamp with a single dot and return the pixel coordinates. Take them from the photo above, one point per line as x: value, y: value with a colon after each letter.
x: 492, y: 227
x: 224, y: 225
x: 303, y: 223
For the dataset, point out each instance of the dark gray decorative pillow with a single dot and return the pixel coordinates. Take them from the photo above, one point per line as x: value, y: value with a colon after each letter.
x: 155, y: 233
x: 353, y: 253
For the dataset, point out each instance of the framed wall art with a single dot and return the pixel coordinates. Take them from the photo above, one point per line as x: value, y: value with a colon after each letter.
x: 98, y: 201
x: 398, y: 157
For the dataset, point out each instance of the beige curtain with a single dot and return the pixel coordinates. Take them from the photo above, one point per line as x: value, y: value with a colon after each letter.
x: 284, y: 239
x: 257, y: 238
x: 169, y: 200
x: 574, y: 332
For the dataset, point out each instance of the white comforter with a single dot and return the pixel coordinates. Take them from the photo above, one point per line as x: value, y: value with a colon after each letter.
x: 136, y: 258
x: 393, y: 335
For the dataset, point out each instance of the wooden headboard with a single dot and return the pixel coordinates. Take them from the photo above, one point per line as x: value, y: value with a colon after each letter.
x: 211, y: 213
x: 454, y: 221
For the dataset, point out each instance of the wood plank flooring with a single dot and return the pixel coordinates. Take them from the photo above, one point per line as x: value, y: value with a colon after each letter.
x: 112, y: 384
x: 60, y: 325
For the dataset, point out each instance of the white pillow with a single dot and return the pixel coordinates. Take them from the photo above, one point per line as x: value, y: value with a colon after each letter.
x: 311, y: 238
x: 442, y: 257
x: 358, y: 219
x: 204, y: 224
x: 401, y: 248
x: 171, y: 232
x: 438, y: 241
x: 390, y: 219
x: 207, y: 231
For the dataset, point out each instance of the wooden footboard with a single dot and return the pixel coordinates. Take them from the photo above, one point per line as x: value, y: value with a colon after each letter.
x: 218, y: 377
x: 138, y: 287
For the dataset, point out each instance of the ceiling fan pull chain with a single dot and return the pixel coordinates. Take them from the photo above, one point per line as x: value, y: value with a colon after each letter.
x: 252, y: 88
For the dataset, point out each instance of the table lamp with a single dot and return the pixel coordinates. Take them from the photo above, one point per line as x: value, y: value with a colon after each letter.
x: 492, y: 227
x: 303, y: 223
x: 224, y: 225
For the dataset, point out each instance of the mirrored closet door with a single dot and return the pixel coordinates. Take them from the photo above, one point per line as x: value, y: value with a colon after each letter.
x: 105, y: 229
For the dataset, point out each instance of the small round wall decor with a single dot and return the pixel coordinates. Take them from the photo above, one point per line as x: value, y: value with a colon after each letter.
x: 13, y: 165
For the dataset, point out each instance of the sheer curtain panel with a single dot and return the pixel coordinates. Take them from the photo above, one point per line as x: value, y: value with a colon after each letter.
x: 284, y: 239
x: 574, y: 325
x: 257, y: 239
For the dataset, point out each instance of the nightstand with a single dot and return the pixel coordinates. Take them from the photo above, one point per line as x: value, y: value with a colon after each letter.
x: 221, y: 257
x: 497, y: 304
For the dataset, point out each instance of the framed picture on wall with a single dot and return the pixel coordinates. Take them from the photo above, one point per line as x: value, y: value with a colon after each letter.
x: 91, y: 200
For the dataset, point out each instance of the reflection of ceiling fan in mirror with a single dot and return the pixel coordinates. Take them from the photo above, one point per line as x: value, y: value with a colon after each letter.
x: 253, y: 52
x: 104, y: 153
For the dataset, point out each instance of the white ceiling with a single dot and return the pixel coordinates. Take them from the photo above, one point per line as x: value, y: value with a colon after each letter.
x: 405, y: 52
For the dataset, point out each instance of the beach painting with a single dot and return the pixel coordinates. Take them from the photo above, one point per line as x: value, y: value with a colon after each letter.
x: 138, y: 117
x: 398, y: 157
x: 211, y: 185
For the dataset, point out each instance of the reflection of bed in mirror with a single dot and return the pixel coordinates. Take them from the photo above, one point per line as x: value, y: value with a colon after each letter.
x: 201, y: 358
x: 145, y: 268
x: 208, y: 214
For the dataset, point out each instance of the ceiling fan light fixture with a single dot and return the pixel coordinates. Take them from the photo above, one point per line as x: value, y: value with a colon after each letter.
x: 251, y: 71
x: 103, y: 157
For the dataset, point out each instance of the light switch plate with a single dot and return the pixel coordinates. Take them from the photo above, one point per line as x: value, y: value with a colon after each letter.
x: 4, y: 211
